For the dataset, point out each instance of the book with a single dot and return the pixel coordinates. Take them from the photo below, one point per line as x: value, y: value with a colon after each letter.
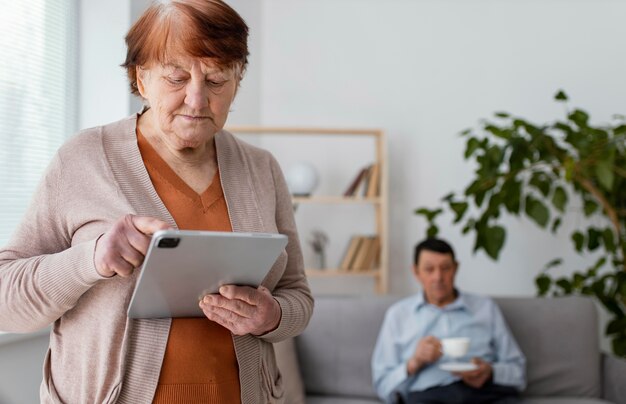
x: 371, y: 260
x: 362, y: 191
x: 373, y: 185
x: 351, y: 190
x: 362, y: 253
x: 350, y: 253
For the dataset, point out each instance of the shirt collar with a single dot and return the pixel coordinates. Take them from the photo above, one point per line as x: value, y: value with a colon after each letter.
x: 460, y: 303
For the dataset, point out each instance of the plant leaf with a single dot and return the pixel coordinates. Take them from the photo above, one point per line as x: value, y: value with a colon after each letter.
x: 579, y: 241
x: 580, y: 118
x: 619, y: 346
x: 472, y: 145
x: 559, y: 199
x: 593, y: 241
x: 560, y: 96
x: 609, y: 239
x: 554, y: 263
x: 604, y: 171
x: 556, y: 224
x: 543, y: 283
x: 565, y: 284
x: 541, y: 182
x: 537, y: 211
x: 512, y: 195
x: 432, y: 231
x: 590, y: 207
x: 428, y: 213
x: 459, y: 208
x: 494, y: 240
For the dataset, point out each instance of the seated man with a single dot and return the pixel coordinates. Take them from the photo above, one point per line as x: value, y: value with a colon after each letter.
x: 406, y: 359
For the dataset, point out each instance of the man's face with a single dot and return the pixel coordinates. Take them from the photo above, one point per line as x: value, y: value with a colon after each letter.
x: 436, y: 272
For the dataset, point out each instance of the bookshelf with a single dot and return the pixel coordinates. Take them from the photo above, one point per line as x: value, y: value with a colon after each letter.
x: 378, y: 269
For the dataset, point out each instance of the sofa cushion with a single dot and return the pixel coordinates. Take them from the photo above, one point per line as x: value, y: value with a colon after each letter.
x: 559, y: 337
x: 336, y: 348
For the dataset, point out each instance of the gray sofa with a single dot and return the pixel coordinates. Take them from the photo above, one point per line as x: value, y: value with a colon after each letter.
x: 559, y: 337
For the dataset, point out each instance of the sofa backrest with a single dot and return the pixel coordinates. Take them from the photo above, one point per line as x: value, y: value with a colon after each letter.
x: 335, y: 350
x: 559, y: 337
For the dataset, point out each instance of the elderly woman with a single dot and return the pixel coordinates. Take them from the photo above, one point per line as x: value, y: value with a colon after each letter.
x: 72, y: 261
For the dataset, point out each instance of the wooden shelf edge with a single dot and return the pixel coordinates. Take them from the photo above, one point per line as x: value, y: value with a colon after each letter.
x: 283, y: 130
x: 334, y: 199
x: 323, y: 273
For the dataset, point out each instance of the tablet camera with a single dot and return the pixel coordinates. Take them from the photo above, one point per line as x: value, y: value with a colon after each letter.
x: 168, y: 242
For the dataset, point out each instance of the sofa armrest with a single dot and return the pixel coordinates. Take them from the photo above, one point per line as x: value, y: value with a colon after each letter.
x: 613, y: 386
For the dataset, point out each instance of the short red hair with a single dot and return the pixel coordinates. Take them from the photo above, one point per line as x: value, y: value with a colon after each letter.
x: 199, y: 28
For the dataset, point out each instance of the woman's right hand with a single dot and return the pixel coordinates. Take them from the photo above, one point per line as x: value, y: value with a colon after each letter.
x: 122, y: 249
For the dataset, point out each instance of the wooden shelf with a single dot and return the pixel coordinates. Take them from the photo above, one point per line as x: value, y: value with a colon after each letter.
x: 334, y: 199
x: 269, y: 130
x: 321, y: 273
x: 380, y: 274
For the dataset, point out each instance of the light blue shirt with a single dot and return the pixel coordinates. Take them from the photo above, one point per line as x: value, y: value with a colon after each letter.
x: 411, y: 319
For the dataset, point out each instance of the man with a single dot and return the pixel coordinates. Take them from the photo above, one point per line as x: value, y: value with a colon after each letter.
x: 408, y: 354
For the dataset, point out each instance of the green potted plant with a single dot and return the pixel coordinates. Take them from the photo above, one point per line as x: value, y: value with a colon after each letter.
x: 540, y: 172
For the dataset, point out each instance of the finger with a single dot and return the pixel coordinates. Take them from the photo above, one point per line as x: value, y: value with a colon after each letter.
x: 466, y: 374
x: 430, y: 339
x: 130, y: 254
x: 215, y: 317
x: 119, y: 265
x: 138, y: 240
x: 227, y: 319
x: 133, y: 258
x: 148, y: 225
x: 238, y: 307
x: 245, y: 293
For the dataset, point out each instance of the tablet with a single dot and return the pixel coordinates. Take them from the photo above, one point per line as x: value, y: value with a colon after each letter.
x: 182, y: 266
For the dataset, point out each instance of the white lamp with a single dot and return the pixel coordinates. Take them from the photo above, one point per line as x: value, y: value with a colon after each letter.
x: 302, y: 179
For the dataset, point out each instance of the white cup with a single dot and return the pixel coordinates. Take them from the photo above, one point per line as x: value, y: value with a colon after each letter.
x: 455, y: 347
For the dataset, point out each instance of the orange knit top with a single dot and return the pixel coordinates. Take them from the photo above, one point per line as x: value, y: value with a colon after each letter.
x: 199, y: 365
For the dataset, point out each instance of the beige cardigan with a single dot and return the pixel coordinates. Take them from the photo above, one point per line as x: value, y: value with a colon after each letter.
x: 47, y: 273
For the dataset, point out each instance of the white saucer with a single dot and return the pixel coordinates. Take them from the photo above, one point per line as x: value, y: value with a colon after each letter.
x: 458, y: 366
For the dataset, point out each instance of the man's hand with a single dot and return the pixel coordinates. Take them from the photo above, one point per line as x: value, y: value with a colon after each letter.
x: 428, y: 350
x: 122, y: 249
x: 243, y: 310
x: 478, y: 377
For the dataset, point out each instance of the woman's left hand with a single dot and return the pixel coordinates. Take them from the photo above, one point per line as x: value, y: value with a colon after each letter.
x: 242, y: 309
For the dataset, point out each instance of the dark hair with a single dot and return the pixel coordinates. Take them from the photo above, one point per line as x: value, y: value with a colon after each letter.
x: 201, y: 28
x: 433, y: 244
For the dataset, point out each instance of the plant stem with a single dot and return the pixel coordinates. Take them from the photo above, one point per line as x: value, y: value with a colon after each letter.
x: 610, y: 211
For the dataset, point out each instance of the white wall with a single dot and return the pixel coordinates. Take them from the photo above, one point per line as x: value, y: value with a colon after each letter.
x: 103, y: 86
x: 425, y: 70
x: 246, y: 108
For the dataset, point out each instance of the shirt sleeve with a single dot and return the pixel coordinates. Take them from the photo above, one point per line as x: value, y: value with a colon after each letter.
x: 388, y: 367
x: 292, y: 290
x: 509, y: 368
x: 42, y: 275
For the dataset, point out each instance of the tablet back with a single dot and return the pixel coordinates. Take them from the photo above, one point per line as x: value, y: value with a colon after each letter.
x: 182, y: 266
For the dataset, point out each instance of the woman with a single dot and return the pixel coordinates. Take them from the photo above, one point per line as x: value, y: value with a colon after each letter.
x: 72, y: 262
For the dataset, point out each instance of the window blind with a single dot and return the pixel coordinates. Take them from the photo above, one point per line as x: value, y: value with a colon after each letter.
x: 38, y: 96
